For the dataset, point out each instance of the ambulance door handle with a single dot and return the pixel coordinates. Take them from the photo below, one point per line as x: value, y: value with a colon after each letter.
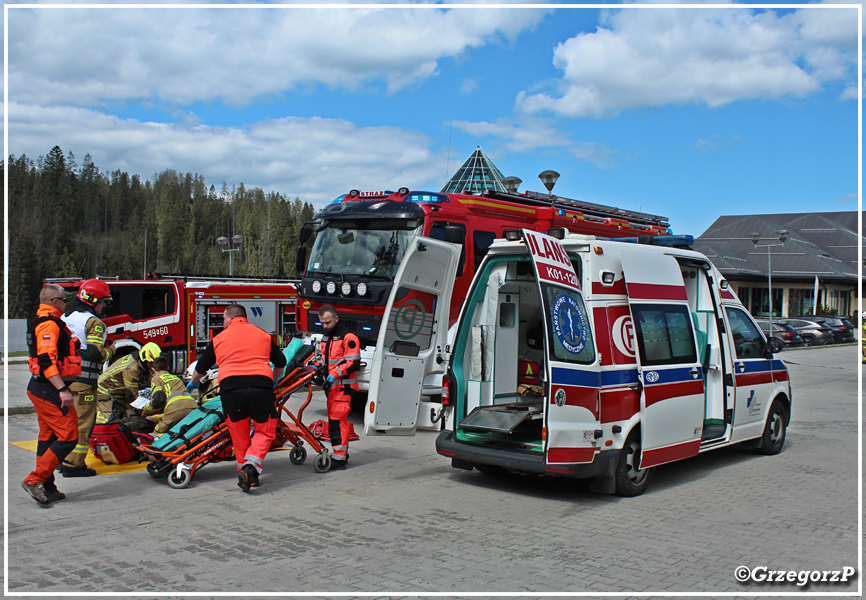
x: 694, y: 372
x: 741, y: 367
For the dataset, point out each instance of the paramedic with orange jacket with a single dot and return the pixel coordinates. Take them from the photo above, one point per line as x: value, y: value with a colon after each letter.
x: 244, y: 353
x: 339, y: 364
x: 54, y: 364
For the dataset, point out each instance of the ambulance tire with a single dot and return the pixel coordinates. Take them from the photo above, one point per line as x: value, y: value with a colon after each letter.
x: 775, y: 430
x: 631, y: 481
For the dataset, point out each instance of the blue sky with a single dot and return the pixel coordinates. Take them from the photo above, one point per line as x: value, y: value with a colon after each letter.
x: 688, y: 112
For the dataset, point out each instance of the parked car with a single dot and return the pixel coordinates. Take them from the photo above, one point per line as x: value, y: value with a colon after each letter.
x: 843, y: 329
x: 814, y: 334
x: 783, y: 336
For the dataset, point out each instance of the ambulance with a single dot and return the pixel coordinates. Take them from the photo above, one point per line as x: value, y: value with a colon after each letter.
x: 580, y: 357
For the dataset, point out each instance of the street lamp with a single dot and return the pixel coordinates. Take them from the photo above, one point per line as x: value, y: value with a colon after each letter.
x: 236, y: 240
x: 511, y: 184
x: 782, y: 234
x: 548, y: 178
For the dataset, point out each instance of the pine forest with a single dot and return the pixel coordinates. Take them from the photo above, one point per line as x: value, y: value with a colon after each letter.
x: 67, y: 220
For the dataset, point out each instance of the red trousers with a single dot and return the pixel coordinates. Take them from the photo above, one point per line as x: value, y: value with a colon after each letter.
x: 58, y: 431
x: 339, y: 406
x: 251, y: 404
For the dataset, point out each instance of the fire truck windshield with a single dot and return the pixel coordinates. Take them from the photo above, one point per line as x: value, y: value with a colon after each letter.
x: 362, y: 247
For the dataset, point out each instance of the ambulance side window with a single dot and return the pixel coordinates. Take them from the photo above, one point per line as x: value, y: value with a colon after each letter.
x: 568, y: 326
x: 748, y: 341
x: 665, y: 334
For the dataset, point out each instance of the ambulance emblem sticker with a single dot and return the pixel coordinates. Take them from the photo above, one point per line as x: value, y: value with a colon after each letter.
x: 652, y: 377
x: 569, y: 324
x: 559, y: 397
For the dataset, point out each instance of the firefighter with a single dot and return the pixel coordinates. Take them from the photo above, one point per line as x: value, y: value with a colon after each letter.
x: 118, y: 387
x: 244, y: 353
x: 84, y: 323
x: 169, y: 399
x: 54, y: 364
x: 338, y: 365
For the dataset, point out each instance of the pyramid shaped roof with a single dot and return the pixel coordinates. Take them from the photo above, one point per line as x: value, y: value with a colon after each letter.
x: 477, y: 175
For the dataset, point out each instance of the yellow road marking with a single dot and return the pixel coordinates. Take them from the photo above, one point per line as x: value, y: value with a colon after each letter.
x: 91, y: 461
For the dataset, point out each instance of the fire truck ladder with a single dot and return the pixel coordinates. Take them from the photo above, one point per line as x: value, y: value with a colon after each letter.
x: 590, y: 210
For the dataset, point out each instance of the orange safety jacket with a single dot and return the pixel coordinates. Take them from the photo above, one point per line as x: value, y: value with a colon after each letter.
x: 243, y: 349
x: 52, y: 348
x: 341, y: 351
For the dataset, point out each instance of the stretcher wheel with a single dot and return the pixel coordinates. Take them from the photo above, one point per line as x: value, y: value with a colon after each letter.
x: 323, y: 462
x: 298, y: 454
x: 181, y: 482
x: 153, y: 471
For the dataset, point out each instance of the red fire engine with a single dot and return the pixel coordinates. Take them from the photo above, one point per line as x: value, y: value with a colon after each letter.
x: 362, y: 237
x: 181, y: 314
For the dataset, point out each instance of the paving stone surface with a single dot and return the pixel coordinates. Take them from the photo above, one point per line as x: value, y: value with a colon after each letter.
x: 401, y: 522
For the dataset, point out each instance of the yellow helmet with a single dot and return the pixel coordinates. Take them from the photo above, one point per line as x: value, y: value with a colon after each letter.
x: 148, y: 352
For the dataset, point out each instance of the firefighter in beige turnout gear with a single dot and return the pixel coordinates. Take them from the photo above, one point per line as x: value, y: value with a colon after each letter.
x: 119, y: 386
x: 169, y: 400
x: 84, y: 323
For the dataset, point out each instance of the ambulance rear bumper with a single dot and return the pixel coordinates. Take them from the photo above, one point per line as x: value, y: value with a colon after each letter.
x: 466, y: 456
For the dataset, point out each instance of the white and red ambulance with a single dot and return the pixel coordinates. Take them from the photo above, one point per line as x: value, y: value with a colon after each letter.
x: 579, y: 357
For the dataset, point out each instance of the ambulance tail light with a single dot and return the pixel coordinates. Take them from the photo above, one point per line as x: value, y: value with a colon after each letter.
x: 446, y: 390
x: 544, y: 434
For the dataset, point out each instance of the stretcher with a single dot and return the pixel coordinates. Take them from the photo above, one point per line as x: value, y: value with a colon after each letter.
x: 294, y: 431
x: 203, y: 436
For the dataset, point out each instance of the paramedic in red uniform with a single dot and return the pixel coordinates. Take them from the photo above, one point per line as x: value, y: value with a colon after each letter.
x: 244, y: 353
x: 54, y: 364
x: 340, y: 361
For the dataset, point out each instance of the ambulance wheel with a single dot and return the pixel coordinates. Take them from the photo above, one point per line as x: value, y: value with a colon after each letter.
x: 323, y: 462
x: 181, y: 482
x: 631, y: 480
x: 774, y: 430
x: 153, y: 471
x: 298, y: 454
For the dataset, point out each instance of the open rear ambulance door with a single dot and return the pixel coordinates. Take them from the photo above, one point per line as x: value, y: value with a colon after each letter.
x: 669, y: 369
x: 572, y: 402
x: 413, y: 335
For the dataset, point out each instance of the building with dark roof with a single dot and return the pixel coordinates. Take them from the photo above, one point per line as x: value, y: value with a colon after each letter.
x: 820, y: 250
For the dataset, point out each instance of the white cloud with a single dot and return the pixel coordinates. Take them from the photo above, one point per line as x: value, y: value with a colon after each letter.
x: 94, y: 56
x: 530, y: 135
x: 711, y: 56
x: 311, y: 158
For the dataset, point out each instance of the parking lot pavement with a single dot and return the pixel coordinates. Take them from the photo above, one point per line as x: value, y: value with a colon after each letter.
x: 400, y: 520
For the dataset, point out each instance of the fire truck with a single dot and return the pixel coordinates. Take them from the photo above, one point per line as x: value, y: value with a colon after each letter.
x: 363, y: 236
x: 182, y: 314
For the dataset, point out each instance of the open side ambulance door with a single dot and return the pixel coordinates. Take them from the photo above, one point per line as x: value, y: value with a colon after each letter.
x: 413, y: 337
x: 669, y: 369
x: 571, y: 404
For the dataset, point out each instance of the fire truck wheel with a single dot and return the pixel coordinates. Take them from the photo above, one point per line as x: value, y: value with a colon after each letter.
x: 358, y: 402
x: 630, y: 480
x: 774, y: 430
x: 298, y: 454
